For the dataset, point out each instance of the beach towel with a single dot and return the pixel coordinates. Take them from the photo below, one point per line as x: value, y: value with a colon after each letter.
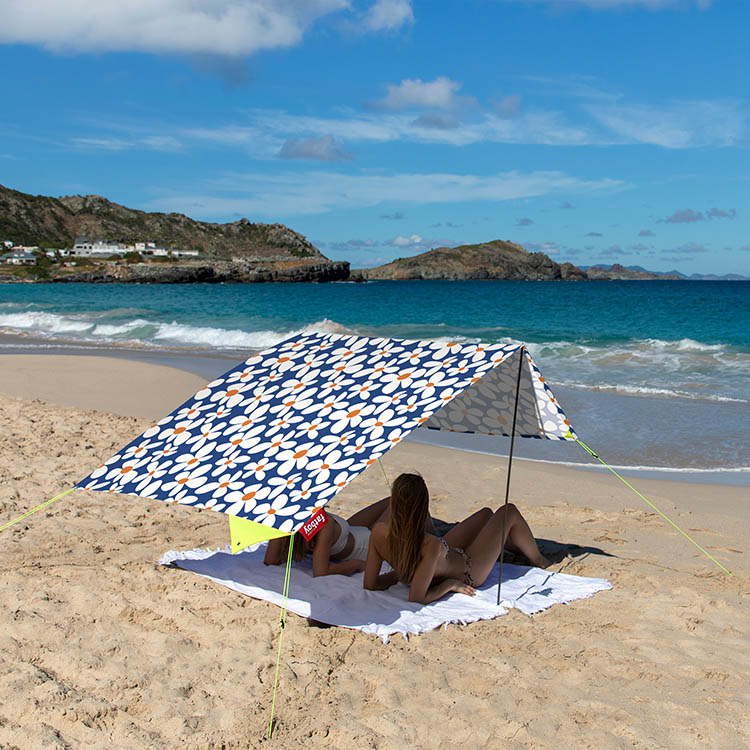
x: 341, y: 600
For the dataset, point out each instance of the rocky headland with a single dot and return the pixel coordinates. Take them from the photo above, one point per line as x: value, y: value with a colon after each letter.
x: 240, y: 251
x: 498, y: 259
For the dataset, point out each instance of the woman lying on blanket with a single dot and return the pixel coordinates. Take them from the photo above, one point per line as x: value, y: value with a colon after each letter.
x: 434, y: 566
x: 340, y: 547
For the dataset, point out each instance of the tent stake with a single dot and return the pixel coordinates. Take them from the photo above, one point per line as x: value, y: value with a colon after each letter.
x: 507, y: 483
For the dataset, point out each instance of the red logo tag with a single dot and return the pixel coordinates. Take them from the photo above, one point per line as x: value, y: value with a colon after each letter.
x: 314, y: 525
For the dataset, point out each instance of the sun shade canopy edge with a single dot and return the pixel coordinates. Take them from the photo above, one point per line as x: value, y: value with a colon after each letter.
x: 278, y: 436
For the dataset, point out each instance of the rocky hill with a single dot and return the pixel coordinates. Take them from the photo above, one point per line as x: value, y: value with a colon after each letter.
x: 617, y: 272
x: 497, y: 259
x: 56, y: 222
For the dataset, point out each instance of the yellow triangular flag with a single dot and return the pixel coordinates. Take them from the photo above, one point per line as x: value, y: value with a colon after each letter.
x: 243, y: 533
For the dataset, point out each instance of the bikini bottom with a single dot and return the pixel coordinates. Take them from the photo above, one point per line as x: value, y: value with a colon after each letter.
x: 467, y: 572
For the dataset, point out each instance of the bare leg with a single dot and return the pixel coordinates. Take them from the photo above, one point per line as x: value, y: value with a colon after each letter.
x: 464, y: 533
x: 369, y: 516
x: 486, y: 547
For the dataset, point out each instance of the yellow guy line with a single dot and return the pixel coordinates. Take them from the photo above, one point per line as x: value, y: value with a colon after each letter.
x: 645, y: 499
x: 282, y: 623
x: 382, y: 468
x: 34, y: 510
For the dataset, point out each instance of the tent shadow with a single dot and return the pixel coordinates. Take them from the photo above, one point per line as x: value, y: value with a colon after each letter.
x: 556, y: 552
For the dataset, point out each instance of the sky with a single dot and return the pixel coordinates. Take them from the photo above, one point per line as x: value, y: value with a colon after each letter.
x: 596, y: 131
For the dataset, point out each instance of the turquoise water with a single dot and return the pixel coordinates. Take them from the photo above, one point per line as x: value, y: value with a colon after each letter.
x: 634, y: 359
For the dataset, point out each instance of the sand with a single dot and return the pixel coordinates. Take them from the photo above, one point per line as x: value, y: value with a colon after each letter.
x: 100, y: 647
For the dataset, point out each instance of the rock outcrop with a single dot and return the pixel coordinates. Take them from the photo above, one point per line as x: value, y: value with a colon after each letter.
x: 490, y: 260
x: 304, y: 269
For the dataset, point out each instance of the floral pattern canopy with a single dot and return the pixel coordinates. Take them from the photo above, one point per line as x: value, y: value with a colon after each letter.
x: 275, y: 438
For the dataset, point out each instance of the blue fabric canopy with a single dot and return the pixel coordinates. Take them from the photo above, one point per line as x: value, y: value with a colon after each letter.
x: 275, y: 438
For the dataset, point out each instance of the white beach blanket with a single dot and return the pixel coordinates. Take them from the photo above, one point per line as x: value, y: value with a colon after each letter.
x: 341, y: 600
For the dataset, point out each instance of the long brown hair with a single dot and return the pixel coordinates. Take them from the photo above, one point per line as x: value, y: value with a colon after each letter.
x: 299, y: 550
x: 410, y: 502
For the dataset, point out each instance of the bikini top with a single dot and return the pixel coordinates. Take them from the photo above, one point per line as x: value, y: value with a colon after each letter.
x: 341, y: 542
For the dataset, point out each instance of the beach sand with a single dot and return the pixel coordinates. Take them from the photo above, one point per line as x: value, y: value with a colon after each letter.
x: 100, y: 647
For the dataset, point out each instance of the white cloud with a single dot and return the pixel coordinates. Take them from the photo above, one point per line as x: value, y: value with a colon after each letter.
x: 266, y: 126
x: 315, y: 192
x: 223, y: 27
x: 414, y: 92
x: 108, y: 143
x: 410, y: 241
x: 684, y: 124
x: 388, y: 15
x: 324, y: 148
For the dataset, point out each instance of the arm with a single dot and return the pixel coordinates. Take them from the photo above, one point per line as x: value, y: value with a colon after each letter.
x: 321, y: 557
x: 273, y: 552
x: 374, y: 581
x: 422, y: 589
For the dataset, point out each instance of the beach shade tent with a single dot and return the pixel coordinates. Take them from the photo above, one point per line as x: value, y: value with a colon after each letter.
x: 275, y: 438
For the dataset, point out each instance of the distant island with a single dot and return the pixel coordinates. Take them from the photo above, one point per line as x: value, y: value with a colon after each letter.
x: 499, y: 260
x: 91, y: 239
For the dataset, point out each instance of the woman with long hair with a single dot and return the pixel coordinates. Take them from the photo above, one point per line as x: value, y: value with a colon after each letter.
x: 339, y: 548
x: 434, y: 566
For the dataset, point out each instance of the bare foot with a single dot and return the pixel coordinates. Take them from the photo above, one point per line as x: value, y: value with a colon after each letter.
x: 541, y: 562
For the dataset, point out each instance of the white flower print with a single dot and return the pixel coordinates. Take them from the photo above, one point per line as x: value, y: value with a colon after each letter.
x: 153, y: 472
x: 282, y: 441
x: 212, y: 504
x: 244, y: 501
x: 339, y: 482
x: 243, y: 375
x: 441, y: 351
x: 282, y: 424
x: 356, y: 448
x: 375, y: 426
x: 297, y: 457
x: 259, y: 469
x: 243, y: 441
x: 267, y: 513
x: 192, y: 478
x: 186, y: 461
x: 427, y: 386
x: 312, y: 428
x: 400, y: 379
x: 180, y: 432
x: 302, y: 493
x: 350, y: 417
x: 229, y: 462
x: 296, y: 385
x: 139, y: 449
x: 331, y: 442
x: 281, y: 484
x: 386, y: 443
x: 227, y: 482
x: 125, y: 472
x: 294, y: 402
x: 252, y: 417
x: 207, y: 434
x: 328, y: 406
x: 320, y: 469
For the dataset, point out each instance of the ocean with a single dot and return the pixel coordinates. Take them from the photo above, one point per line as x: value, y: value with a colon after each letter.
x: 655, y: 376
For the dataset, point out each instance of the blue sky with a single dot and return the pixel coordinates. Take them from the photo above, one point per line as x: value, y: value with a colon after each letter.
x: 598, y: 131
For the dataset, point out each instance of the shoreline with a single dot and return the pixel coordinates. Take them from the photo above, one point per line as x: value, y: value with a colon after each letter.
x: 208, y: 366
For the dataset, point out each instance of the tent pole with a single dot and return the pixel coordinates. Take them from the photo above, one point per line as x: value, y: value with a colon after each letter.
x: 510, y: 462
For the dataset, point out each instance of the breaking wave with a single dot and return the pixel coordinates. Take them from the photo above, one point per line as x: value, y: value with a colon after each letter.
x: 647, y: 367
